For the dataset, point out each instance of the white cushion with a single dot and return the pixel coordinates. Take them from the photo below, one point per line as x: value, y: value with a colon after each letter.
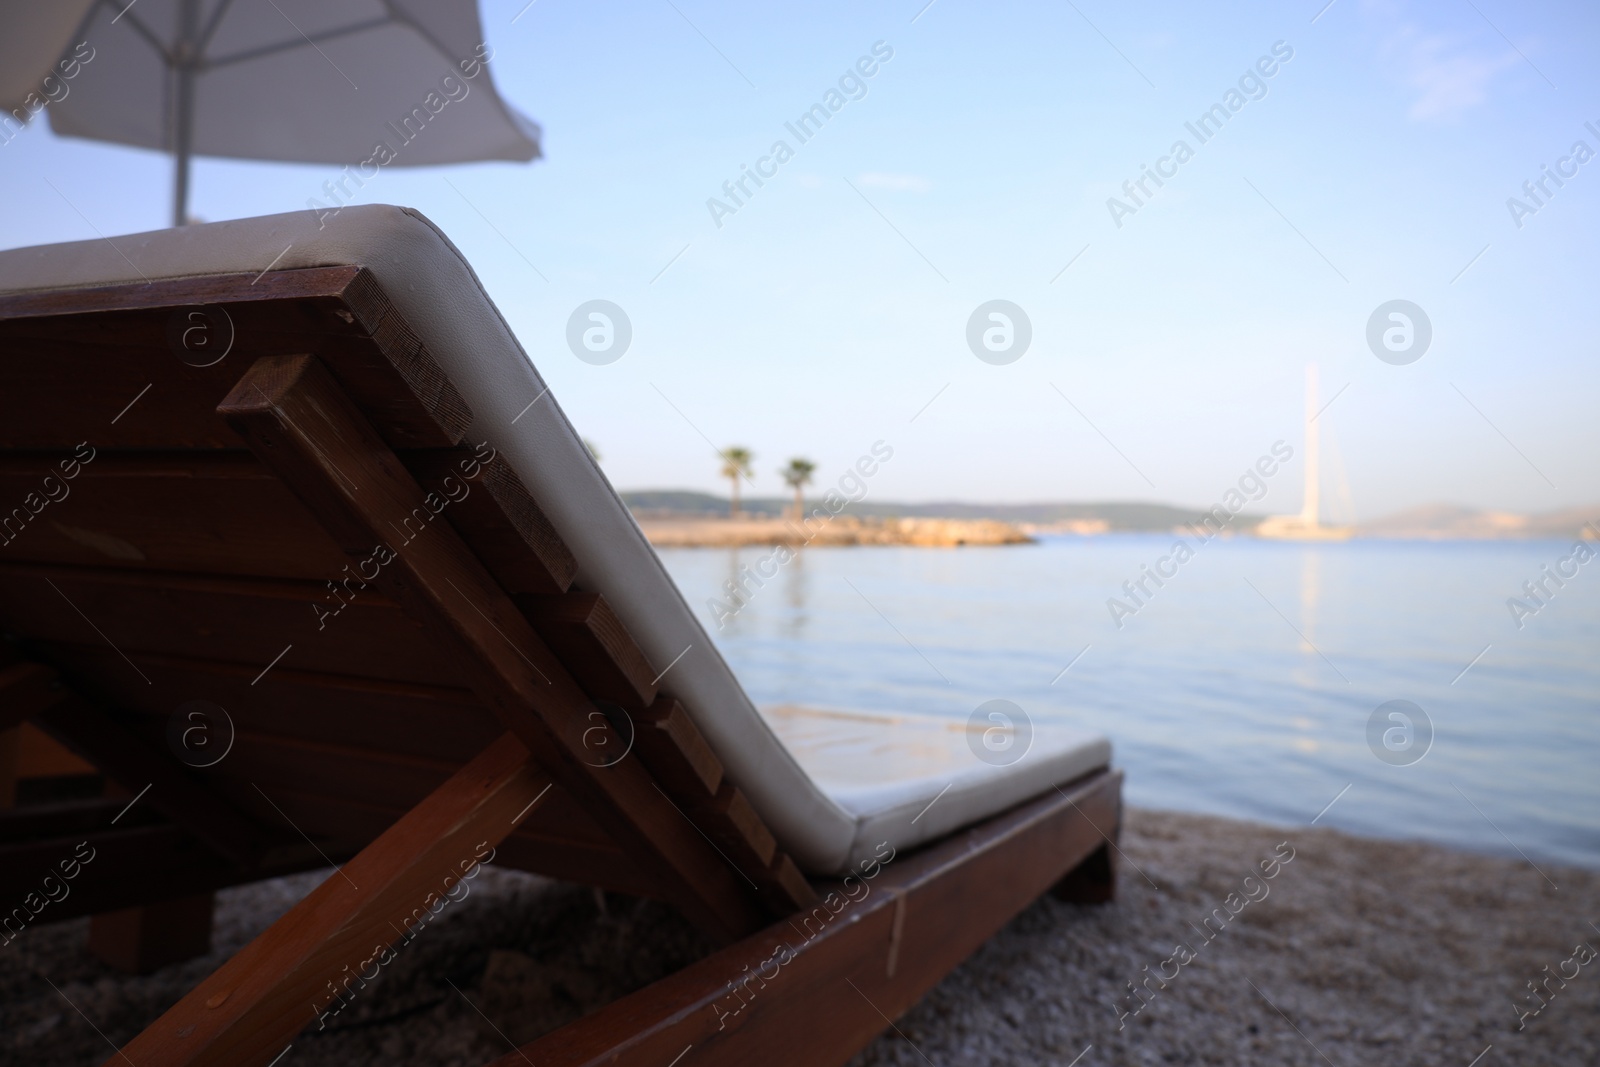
x: 824, y: 818
x: 911, y: 778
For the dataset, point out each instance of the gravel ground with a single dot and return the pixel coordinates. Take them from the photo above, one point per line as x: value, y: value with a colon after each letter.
x: 1361, y: 952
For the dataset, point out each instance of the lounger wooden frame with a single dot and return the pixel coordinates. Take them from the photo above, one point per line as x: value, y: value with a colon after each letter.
x: 314, y: 464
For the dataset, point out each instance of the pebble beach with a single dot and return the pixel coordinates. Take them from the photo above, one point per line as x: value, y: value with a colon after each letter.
x: 1355, y: 952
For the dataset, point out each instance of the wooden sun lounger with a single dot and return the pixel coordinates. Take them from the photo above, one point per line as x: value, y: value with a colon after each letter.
x: 462, y: 697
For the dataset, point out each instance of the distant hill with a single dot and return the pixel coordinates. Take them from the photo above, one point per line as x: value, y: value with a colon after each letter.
x: 686, y: 502
x: 1430, y: 522
x: 1117, y: 515
x: 1450, y: 521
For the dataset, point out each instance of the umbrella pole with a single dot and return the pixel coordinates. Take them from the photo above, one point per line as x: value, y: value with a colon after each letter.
x: 180, y: 192
x: 187, y: 57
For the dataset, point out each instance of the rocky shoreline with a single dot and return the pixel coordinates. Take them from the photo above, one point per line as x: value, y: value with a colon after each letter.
x: 840, y: 530
x: 1355, y: 951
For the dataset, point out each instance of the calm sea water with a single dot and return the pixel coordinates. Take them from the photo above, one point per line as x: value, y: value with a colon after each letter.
x: 1243, y: 686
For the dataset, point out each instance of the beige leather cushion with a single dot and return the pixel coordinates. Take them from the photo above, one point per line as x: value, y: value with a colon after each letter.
x: 446, y: 306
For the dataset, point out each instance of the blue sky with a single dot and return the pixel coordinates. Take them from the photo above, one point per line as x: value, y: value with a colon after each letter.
x: 833, y: 306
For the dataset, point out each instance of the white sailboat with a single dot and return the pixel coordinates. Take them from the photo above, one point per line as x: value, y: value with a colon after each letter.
x: 1306, y: 526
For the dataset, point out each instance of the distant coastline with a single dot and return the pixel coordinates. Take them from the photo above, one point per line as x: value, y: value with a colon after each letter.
x: 687, y: 517
x: 722, y: 532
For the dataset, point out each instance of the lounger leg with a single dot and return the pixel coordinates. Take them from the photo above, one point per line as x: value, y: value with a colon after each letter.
x: 145, y: 939
x: 8, y: 766
x: 1094, y: 881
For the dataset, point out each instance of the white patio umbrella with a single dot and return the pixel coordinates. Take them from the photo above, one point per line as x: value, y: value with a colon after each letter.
x: 366, y: 83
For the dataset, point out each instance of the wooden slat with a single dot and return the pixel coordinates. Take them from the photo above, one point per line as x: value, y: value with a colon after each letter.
x: 285, y: 743
x: 581, y: 864
x: 542, y: 844
x: 399, y: 717
x: 828, y: 982
x: 679, y: 757
x: 142, y: 769
x: 343, y: 763
x: 498, y: 518
x: 264, y: 765
x: 730, y: 821
x: 36, y: 768
x: 339, y: 774
x: 784, y: 887
x: 209, y: 513
x: 676, y: 752
x: 297, y: 421
x: 736, y: 827
x: 265, y: 772
x: 138, y: 767
x: 594, y: 644
x: 25, y: 690
x: 351, y: 631
x: 134, y: 865
x: 582, y: 629
x: 116, y: 337
x: 254, y: 1005
x: 66, y: 817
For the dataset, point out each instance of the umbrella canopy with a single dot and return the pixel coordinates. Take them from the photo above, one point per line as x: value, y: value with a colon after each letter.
x: 366, y: 83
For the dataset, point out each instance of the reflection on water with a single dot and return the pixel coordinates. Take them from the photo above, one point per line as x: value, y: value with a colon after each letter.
x: 796, y: 586
x: 1310, y: 590
x: 1310, y: 587
x: 1213, y: 700
x: 730, y: 592
x: 1310, y: 664
x: 753, y: 573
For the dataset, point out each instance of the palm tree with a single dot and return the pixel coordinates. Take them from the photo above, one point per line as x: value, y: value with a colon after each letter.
x: 735, y: 465
x: 797, y: 475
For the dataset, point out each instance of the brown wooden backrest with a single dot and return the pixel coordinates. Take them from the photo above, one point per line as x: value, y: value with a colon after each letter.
x: 159, y: 545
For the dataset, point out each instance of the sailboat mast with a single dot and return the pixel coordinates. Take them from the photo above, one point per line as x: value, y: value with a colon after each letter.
x: 1312, y: 506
